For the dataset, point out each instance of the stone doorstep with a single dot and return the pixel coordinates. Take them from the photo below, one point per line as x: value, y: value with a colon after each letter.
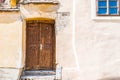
x: 38, y: 75
x: 41, y: 72
x: 51, y: 77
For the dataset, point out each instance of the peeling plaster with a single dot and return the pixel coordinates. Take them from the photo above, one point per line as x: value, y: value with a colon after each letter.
x: 62, y: 20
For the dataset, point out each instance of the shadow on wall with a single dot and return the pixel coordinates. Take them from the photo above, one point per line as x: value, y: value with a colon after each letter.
x: 111, y: 78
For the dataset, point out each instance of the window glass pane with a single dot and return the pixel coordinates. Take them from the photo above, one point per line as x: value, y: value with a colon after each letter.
x: 102, y: 11
x: 102, y: 3
x: 113, y: 10
x: 112, y: 3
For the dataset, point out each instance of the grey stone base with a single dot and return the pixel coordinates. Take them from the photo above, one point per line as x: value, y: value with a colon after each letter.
x: 9, y: 74
x: 38, y: 77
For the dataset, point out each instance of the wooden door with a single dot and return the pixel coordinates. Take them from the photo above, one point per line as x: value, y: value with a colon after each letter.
x: 40, y: 46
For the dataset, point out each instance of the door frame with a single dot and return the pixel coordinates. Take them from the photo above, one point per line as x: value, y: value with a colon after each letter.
x: 45, y: 20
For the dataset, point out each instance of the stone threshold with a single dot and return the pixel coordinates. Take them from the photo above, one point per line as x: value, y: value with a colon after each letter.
x: 39, y: 72
x: 38, y: 75
x: 47, y: 77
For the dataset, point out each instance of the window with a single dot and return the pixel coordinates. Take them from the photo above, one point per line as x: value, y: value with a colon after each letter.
x: 108, y: 7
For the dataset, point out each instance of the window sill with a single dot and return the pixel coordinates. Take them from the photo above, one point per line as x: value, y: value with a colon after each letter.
x: 105, y: 18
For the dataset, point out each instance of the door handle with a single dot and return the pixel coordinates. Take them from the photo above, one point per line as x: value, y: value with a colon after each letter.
x: 40, y: 46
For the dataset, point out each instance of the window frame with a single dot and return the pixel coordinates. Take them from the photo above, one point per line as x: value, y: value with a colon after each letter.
x: 108, y: 8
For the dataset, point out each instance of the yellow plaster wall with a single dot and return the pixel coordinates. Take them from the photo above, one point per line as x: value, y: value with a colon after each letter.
x: 38, y: 11
x: 10, y: 44
x: 9, y: 17
x: 12, y: 47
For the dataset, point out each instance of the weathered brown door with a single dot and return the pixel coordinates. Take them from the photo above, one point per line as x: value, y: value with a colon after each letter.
x: 40, y: 46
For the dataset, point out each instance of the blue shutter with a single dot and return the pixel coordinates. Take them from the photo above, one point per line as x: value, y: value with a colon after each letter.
x: 102, y: 10
x: 113, y: 11
x: 112, y: 3
x: 102, y: 6
x: 113, y: 7
x: 102, y: 3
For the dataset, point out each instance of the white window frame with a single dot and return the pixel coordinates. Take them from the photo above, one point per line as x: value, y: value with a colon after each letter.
x: 94, y: 15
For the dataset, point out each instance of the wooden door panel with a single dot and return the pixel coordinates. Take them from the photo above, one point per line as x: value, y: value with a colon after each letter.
x: 46, y: 59
x: 32, y: 62
x: 32, y: 46
x: 33, y: 35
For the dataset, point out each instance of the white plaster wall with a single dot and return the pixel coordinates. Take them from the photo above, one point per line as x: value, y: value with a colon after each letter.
x: 66, y: 53
x: 64, y: 38
x: 97, y: 44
